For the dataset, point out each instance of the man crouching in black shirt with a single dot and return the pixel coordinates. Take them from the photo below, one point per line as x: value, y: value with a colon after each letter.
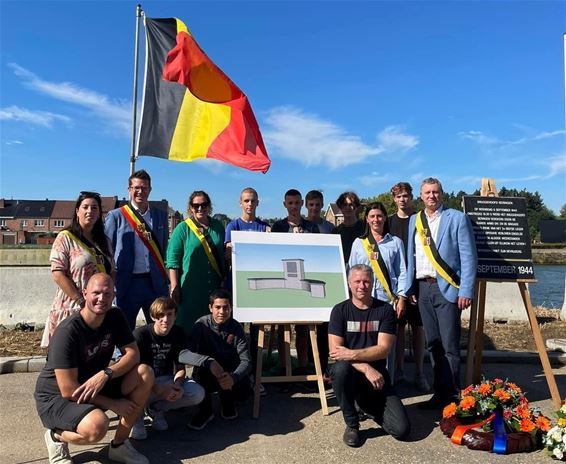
x: 360, y: 334
x: 77, y: 384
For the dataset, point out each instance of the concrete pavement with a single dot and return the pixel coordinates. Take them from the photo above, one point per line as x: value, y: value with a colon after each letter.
x: 291, y: 429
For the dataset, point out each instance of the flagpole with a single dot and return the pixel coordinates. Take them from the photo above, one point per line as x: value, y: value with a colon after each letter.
x: 139, y: 13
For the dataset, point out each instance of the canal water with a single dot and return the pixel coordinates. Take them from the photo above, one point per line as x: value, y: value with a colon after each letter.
x: 549, y: 290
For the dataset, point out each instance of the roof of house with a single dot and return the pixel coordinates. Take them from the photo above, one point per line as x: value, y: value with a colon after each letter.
x: 27, y: 208
x: 335, y: 210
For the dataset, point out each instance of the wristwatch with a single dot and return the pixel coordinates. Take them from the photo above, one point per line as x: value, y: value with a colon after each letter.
x: 109, y: 372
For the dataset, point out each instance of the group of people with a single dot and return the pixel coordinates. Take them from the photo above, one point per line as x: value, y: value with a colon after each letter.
x: 107, y: 271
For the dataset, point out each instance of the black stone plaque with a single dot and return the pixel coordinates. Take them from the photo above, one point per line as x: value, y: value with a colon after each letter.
x: 502, y: 237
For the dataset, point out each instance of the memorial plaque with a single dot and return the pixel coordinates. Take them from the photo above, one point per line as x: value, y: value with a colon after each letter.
x: 502, y: 237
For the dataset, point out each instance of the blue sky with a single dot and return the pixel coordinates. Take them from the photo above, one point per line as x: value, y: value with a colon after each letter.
x: 348, y: 95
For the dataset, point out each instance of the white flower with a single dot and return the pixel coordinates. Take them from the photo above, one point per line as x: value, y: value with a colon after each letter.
x: 564, y: 438
x: 557, y: 436
x: 557, y: 453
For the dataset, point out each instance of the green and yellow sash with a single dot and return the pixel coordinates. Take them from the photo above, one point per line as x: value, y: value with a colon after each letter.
x: 90, y: 250
x: 431, y: 251
x: 146, y: 235
x: 204, y: 241
x: 378, y: 265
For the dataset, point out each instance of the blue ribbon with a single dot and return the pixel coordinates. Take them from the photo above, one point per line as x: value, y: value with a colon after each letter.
x: 500, y: 436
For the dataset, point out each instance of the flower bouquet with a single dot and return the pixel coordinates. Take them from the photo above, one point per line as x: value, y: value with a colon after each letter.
x: 494, y: 416
x: 554, y: 440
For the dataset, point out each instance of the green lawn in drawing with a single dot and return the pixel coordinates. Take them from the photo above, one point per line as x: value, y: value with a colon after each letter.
x: 288, y: 298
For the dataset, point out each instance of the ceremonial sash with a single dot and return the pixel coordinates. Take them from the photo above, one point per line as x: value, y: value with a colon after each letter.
x: 378, y: 265
x: 90, y: 250
x: 206, y: 243
x: 431, y: 251
x: 146, y: 235
x: 499, y: 433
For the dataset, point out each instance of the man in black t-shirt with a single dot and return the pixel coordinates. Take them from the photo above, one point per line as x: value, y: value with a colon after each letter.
x: 399, y: 226
x: 160, y: 344
x: 361, y: 332
x: 77, y: 384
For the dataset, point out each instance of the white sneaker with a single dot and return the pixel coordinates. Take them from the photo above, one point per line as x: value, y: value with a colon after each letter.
x: 422, y: 383
x: 138, y: 430
x: 58, y: 450
x: 127, y: 454
x: 158, y: 421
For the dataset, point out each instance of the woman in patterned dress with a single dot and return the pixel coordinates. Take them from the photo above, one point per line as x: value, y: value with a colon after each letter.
x: 79, y: 251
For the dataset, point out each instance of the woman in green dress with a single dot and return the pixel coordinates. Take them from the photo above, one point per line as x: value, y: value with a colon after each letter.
x: 195, y: 259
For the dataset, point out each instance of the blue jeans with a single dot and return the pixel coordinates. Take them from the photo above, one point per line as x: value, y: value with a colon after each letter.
x: 441, y: 321
x: 351, y: 386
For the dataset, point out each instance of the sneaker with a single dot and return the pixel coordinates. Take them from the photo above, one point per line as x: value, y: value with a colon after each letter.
x: 228, y: 410
x: 138, y: 430
x: 200, y: 419
x: 262, y: 390
x: 126, y: 453
x: 352, y: 436
x: 158, y: 421
x: 422, y: 383
x: 58, y: 451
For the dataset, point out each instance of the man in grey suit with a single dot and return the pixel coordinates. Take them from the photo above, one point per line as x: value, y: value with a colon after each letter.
x: 139, y: 236
x: 442, y: 261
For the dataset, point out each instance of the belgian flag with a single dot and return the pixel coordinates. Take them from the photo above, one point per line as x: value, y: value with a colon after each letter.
x: 191, y: 109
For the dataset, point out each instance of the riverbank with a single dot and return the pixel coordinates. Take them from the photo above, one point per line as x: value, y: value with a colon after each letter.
x: 549, y: 255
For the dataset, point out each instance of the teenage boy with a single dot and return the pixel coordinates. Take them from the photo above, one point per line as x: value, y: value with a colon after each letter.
x: 352, y: 227
x: 219, y: 351
x: 314, y: 201
x: 399, y: 226
x: 160, y: 343
x: 296, y: 224
x: 249, y: 201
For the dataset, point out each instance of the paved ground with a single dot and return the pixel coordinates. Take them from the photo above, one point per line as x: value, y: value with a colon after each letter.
x: 291, y: 429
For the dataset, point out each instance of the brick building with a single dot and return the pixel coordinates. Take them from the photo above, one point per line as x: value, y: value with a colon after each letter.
x: 39, y: 221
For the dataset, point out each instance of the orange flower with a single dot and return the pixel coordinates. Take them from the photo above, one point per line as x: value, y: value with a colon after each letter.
x: 527, y: 425
x: 523, y: 412
x: 467, y: 402
x: 484, y: 389
x: 449, y: 411
x: 502, y: 395
x: 543, y: 423
x: 514, y: 387
x: 466, y: 391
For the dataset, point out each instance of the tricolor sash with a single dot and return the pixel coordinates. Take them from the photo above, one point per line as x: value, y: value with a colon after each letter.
x: 90, y: 250
x: 378, y: 265
x: 207, y: 244
x: 432, y: 253
x: 146, y: 235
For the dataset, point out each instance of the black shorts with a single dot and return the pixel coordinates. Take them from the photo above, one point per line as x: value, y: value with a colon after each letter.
x: 60, y: 413
x: 412, y: 316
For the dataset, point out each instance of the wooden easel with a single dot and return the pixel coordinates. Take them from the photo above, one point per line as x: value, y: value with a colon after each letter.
x: 477, y: 314
x: 288, y: 377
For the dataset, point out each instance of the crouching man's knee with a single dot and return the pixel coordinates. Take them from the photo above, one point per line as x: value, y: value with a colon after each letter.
x: 94, y: 426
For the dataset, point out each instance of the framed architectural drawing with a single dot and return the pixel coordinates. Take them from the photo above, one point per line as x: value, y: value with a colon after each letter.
x: 279, y: 277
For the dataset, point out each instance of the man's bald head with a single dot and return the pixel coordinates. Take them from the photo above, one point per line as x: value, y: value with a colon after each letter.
x: 99, y: 277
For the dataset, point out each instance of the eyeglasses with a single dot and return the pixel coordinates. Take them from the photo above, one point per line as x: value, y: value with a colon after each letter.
x: 197, y: 206
x: 139, y: 189
x: 85, y: 193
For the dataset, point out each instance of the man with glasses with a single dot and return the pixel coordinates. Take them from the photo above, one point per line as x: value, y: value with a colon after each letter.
x: 138, y: 235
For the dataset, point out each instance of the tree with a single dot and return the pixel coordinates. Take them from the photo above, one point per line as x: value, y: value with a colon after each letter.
x: 562, y: 212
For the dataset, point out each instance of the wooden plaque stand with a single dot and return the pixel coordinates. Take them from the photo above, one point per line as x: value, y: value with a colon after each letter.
x: 288, y: 377
x: 475, y: 340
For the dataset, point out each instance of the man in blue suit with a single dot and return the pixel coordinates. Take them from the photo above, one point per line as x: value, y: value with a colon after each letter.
x: 139, y: 237
x: 442, y: 261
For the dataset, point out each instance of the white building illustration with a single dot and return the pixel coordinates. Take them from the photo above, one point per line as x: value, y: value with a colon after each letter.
x: 294, y: 271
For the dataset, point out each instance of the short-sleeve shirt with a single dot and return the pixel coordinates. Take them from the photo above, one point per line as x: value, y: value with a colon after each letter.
x: 160, y: 351
x: 76, y: 345
x: 399, y: 227
x: 348, y: 234
x: 360, y: 328
x: 239, y: 224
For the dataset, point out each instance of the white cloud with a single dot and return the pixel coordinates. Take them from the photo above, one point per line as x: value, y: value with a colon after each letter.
x: 115, y: 113
x: 483, y: 139
x: 14, y: 142
x: 313, y: 141
x: 38, y: 118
